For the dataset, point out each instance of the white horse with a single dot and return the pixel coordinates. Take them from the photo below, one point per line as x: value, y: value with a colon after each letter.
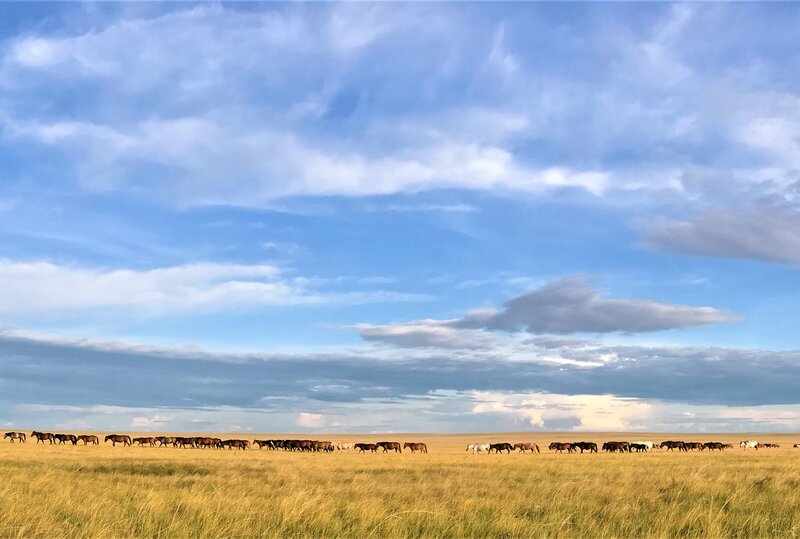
x: 344, y: 446
x: 752, y: 444
x: 647, y: 444
x: 478, y: 448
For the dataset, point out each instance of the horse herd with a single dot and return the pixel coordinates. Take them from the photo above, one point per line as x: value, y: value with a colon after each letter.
x: 204, y: 442
x: 640, y: 446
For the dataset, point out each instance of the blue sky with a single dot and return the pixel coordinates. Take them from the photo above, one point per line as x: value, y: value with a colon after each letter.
x: 399, y: 217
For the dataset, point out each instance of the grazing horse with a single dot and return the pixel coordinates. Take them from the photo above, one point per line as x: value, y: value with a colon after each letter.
x: 770, y: 445
x: 671, y: 445
x: 527, y: 447
x: 15, y: 436
x: 711, y: 446
x: 796, y: 446
x: 559, y: 447
x: 123, y: 439
x: 42, y: 436
x: 749, y: 444
x: 363, y: 448
x: 390, y: 446
x: 478, y: 448
x: 141, y: 441
x: 591, y: 447
x: 86, y: 438
x: 500, y: 447
x: 414, y: 447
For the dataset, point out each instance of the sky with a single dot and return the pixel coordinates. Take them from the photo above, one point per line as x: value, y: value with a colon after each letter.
x: 400, y: 217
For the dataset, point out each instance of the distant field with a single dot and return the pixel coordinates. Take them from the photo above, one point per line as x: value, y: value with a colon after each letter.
x: 52, y: 491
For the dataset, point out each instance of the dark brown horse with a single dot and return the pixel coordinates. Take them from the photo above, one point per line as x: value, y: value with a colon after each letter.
x: 390, y: 446
x: 527, y: 447
x: 115, y: 439
x: 414, y: 447
x: 500, y: 447
x: 64, y: 438
x: 367, y: 447
x: 711, y: 446
x: 264, y: 443
x: 691, y: 446
x: 15, y: 436
x: 672, y: 445
x: 42, y: 436
x: 613, y: 447
x: 89, y: 438
x: 238, y: 444
x: 591, y: 447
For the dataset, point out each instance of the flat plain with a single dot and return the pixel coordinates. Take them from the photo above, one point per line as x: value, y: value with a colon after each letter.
x: 104, y: 491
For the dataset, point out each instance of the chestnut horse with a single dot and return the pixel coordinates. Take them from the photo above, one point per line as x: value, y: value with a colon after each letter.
x: 414, y: 447
x: 87, y: 438
x: 525, y: 447
x: 390, y: 446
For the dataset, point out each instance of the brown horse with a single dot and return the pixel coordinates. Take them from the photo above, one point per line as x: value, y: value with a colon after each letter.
x: 141, y: 441
x: 115, y: 439
x: 165, y: 440
x: 527, y: 447
x: 15, y: 436
x: 239, y: 444
x: 390, y: 446
x: 366, y: 447
x: 711, y: 446
x: 414, y: 447
x: 42, y: 436
x: 89, y: 438
x: 559, y: 447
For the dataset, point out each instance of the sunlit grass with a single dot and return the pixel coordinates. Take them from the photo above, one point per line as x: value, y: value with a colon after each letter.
x: 50, y: 491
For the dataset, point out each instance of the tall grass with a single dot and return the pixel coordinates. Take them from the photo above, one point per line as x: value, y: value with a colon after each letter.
x: 124, y: 492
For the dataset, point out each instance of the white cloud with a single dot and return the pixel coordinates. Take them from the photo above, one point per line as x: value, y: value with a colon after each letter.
x: 156, y: 421
x: 549, y: 411
x: 309, y: 420
x: 32, y: 287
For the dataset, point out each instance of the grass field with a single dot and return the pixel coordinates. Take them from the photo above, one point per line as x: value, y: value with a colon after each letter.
x: 53, y: 491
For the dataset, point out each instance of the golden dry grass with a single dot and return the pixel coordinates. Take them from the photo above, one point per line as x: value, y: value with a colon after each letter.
x: 50, y: 491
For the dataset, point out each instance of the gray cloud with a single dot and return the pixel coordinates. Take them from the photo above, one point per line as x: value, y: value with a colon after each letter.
x: 570, y: 306
x: 758, y: 233
x: 61, y: 380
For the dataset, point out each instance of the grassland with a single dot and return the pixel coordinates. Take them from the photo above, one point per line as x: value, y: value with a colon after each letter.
x: 55, y: 491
